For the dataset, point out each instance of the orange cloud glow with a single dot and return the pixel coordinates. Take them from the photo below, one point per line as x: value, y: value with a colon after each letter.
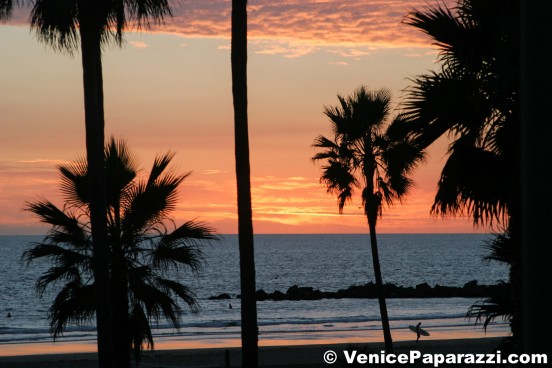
x: 294, y: 28
x: 370, y: 22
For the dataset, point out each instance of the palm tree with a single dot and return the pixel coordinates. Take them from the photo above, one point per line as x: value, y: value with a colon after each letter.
x: 363, y: 155
x: 474, y: 100
x: 94, y: 23
x: 144, y: 254
x: 245, y: 216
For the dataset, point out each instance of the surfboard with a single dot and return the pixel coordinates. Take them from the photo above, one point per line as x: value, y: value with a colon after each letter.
x: 422, y: 331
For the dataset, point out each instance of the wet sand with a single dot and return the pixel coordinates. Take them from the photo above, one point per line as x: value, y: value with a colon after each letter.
x: 298, y: 356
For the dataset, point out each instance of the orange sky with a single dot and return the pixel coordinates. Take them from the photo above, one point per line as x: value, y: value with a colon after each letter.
x: 170, y: 89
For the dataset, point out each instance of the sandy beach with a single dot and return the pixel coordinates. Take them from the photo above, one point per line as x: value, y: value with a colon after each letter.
x: 298, y: 356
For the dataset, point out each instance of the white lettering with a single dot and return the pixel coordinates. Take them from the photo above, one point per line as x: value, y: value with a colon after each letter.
x: 439, y: 359
x: 403, y: 358
x: 414, y: 355
x: 350, y: 358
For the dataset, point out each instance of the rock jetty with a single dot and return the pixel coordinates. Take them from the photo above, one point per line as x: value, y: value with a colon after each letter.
x: 470, y: 290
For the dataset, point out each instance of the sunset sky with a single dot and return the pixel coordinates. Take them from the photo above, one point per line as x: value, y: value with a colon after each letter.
x: 170, y: 89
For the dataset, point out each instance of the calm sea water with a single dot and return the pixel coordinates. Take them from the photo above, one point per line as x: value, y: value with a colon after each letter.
x: 325, y: 262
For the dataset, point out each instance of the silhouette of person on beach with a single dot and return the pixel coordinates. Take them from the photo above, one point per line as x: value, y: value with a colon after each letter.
x: 418, y: 332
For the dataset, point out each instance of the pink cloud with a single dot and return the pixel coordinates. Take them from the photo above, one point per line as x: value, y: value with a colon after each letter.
x: 138, y: 44
x: 296, y: 27
x: 337, y: 22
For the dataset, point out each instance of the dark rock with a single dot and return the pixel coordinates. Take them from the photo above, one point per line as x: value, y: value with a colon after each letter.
x: 423, y: 287
x: 220, y: 297
x: 303, y: 293
x: 278, y: 295
x: 262, y: 295
x: 470, y: 290
x: 470, y: 285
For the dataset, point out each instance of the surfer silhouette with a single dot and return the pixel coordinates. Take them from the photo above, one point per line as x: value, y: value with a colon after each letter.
x: 418, y: 332
x: 9, y: 315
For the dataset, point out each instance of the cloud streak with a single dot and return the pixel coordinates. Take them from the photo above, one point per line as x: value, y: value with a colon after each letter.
x: 293, y: 28
x: 316, y: 23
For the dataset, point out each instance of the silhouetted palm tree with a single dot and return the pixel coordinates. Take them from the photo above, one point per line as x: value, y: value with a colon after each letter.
x: 364, y: 154
x: 145, y: 256
x: 245, y: 216
x: 474, y: 100
x: 62, y: 24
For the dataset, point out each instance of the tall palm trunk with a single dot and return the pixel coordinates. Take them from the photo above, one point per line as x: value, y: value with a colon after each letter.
x: 120, y: 306
x: 372, y: 215
x: 119, y: 292
x: 249, y: 331
x: 94, y: 126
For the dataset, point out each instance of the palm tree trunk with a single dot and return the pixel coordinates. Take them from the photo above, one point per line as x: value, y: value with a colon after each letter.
x: 119, y: 298
x: 379, y: 283
x: 249, y: 331
x: 94, y: 126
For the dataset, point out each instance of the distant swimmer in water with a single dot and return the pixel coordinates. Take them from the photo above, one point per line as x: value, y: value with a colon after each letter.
x: 229, y: 305
x: 9, y: 315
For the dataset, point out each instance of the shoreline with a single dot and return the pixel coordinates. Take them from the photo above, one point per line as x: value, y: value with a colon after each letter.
x: 303, y: 355
x: 221, y: 341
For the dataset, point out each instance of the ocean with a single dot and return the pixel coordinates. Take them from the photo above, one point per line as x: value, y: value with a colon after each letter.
x: 324, y: 262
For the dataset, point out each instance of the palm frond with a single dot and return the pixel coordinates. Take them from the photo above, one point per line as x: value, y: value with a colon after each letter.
x: 6, y: 8
x: 159, y: 166
x: 66, y: 226
x: 501, y: 248
x: 182, y: 291
x: 66, y: 273
x: 57, y: 253
x: 471, y: 181
x: 190, y: 233
x: 167, y: 256
x: 74, y: 182
x: 400, y: 157
x: 339, y: 179
x: 339, y: 115
x: 148, y: 12
x: 140, y: 331
x: 56, y: 23
x: 387, y: 193
x: 370, y: 109
x: 157, y: 302
x: 332, y: 148
x: 496, y: 306
x: 445, y: 101
x: 121, y: 169
x: 447, y: 30
x: 75, y: 303
x: 149, y: 205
